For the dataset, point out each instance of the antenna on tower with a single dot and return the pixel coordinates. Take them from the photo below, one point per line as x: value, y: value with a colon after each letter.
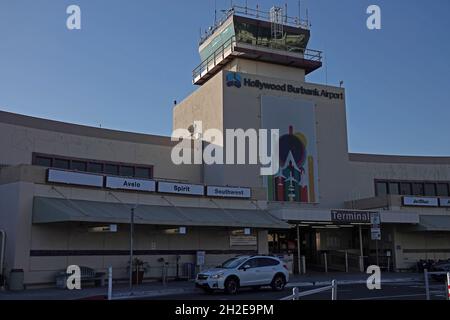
x: 286, y: 12
x: 215, y: 12
x: 307, y: 17
x: 276, y: 22
x: 299, y: 12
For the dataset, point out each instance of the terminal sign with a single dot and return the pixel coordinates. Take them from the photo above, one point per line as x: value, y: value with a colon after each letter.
x: 130, y: 184
x: 348, y: 216
x: 181, y: 188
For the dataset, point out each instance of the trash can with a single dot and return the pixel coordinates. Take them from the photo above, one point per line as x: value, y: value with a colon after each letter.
x: 61, y: 280
x: 16, y: 280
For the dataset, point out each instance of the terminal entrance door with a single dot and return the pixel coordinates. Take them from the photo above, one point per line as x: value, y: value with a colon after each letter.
x: 339, y: 245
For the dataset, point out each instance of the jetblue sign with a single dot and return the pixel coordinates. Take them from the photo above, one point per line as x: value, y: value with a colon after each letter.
x: 234, y: 79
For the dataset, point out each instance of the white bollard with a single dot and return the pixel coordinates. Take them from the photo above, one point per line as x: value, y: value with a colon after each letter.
x: 427, y: 287
x: 295, y: 293
x: 346, y: 261
x: 304, y: 264
x: 334, y: 290
x: 110, y: 283
x: 448, y: 286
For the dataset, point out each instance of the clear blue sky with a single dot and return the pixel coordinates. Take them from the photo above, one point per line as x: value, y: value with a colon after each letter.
x: 133, y: 58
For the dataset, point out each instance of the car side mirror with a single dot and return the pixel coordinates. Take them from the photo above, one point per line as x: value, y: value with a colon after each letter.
x: 247, y: 266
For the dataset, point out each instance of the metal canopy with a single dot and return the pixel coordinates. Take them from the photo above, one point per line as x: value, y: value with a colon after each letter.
x: 53, y: 210
x: 433, y: 223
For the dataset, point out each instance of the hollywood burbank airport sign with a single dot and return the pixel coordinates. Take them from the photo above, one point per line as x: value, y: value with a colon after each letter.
x: 234, y: 79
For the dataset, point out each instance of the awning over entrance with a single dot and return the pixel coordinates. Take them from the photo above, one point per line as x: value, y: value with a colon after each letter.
x: 433, y: 223
x: 52, y: 210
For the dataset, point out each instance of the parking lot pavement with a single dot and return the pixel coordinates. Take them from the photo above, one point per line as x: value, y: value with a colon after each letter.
x: 389, y: 291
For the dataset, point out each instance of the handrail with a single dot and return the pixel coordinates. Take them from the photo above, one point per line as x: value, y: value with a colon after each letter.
x: 296, y: 22
x: 309, y: 54
x: 296, y: 294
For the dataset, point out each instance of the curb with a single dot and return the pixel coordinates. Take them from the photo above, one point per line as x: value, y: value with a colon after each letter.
x: 150, y: 294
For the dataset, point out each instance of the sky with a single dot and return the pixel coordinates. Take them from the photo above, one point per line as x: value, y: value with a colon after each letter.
x: 133, y: 58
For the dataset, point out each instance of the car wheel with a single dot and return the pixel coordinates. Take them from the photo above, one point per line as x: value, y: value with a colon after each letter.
x: 231, y: 286
x: 278, y: 283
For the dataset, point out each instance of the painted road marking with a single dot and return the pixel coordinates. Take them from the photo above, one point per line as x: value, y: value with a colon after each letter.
x: 393, y: 297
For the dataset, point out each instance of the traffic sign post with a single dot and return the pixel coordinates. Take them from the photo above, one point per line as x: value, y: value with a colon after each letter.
x: 375, y: 219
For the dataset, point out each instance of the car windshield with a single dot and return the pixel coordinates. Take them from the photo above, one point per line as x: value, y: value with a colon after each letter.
x: 233, y: 262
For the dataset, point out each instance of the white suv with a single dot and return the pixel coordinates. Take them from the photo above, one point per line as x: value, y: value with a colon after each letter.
x: 245, y: 271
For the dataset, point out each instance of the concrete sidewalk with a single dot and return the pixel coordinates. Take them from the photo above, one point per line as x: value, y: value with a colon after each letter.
x: 157, y: 289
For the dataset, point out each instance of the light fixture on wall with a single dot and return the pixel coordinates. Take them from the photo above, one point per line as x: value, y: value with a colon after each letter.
x: 112, y: 228
x: 179, y: 230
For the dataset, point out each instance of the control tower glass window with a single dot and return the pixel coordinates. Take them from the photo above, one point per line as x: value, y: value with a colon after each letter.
x: 261, y: 35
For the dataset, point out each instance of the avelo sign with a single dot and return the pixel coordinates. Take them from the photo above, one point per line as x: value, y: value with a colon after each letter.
x: 130, y: 184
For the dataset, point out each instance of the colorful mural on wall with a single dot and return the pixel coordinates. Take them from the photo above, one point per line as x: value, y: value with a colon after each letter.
x: 296, y: 180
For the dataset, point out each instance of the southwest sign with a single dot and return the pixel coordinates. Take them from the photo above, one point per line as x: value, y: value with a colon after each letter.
x: 228, y: 192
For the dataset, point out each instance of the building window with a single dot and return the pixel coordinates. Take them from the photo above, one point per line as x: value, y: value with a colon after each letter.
x: 112, y: 169
x: 394, y: 188
x: 95, y: 167
x: 78, y: 166
x: 126, y: 171
x: 61, y: 164
x: 417, y: 189
x: 381, y: 189
x: 144, y: 173
x: 442, y: 189
x: 430, y: 189
x: 43, y: 161
x: 405, y: 189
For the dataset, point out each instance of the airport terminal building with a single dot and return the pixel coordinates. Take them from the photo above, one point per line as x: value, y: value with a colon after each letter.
x: 67, y: 192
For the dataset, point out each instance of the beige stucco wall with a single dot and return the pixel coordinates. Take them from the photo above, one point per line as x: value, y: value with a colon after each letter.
x: 364, y: 174
x: 266, y: 69
x: 242, y: 109
x: 410, y: 247
x: 22, y: 141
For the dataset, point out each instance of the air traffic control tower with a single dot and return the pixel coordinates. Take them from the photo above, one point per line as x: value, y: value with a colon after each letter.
x: 245, y: 37
x: 252, y: 76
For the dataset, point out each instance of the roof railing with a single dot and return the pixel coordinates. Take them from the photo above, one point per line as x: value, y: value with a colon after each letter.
x: 228, y: 47
x: 296, y: 22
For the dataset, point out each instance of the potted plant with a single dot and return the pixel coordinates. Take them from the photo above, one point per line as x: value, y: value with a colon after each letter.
x: 139, y: 268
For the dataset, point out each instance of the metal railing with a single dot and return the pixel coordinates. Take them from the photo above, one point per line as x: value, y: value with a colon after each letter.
x: 228, y: 47
x: 427, y: 275
x: 296, y: 22
x: 296, y: 294
x: 341, y: 261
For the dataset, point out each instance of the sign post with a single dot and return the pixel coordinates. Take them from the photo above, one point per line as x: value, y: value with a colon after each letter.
x: 375, y: 219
